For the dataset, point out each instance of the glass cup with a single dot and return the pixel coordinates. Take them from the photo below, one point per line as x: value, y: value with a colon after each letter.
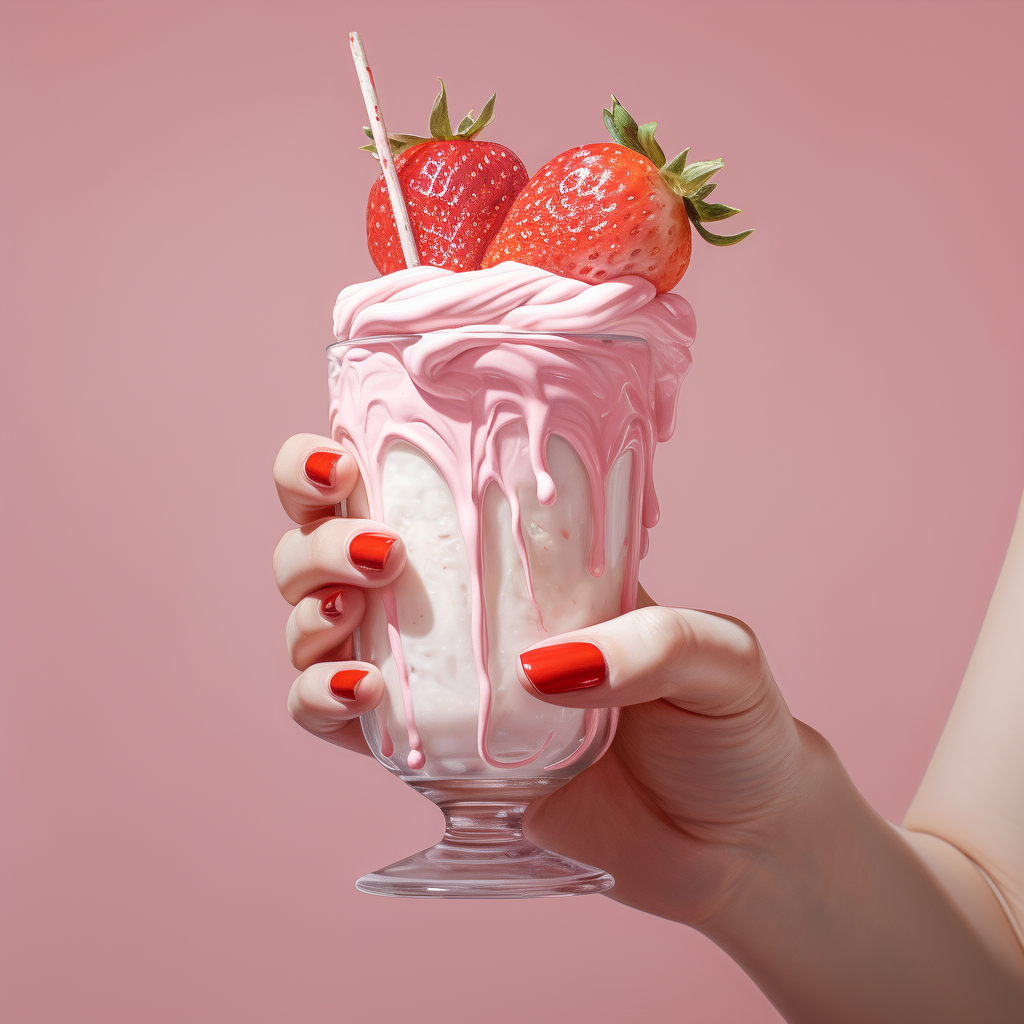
x: 506, y: 546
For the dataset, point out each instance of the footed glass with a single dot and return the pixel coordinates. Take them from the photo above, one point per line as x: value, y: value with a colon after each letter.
x: 515, y: 476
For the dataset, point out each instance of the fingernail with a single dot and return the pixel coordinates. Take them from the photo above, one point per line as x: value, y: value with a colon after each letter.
x: 330, y: 606
x: 319, y: 468
x: 564, y: 667
x: 343, y: 683
x: 370, y: 550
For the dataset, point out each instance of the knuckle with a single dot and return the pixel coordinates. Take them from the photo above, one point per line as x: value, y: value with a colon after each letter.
x: 285, y: 459
x: 748, y: 665
x: 277, y: 552
x: 302, y: 703
x: 295, y: 711
x: 665, y: 633
x: 293, y: 638
x: 326, y: 543
x: 279, y: 465
x: 746, y: 648
x: 305, y: 619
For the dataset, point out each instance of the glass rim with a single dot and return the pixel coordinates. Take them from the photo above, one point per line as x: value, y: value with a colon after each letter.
x: 487, y: 331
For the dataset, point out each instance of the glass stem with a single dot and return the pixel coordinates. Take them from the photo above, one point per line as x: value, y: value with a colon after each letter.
x: 482, y: 823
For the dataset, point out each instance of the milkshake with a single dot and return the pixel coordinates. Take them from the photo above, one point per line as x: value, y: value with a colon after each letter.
x: 504, y: 422
x: 502, y: 388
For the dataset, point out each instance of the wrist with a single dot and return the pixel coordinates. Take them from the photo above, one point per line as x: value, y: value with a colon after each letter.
x: 800, y: 847
x: 837, y: 919
x: 784, y: 923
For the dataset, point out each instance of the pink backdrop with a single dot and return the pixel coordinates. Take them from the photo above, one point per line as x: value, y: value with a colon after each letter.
x: 184, y: 202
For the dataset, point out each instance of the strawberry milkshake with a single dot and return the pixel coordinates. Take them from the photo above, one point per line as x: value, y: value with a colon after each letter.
x: 503, y: 402
x: 504, y: 422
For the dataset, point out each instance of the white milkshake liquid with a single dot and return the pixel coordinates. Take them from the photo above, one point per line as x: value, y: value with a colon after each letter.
x: 433, y: 599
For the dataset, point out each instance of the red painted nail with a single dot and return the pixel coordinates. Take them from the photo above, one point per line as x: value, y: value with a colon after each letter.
x: 370, y: 550
x: 319, y: 468
x: 564, y: 667
x: 343, y: 683
x: 330, y: 606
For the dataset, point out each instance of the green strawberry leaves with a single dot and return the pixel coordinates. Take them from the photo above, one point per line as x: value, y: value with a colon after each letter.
x: 626, y: 132
x: 713, y: 211
x: 691, y: 177
x: 440, y: 126
x: 693, y: 211
x: 399, y: 143
x: 645, y: 133
x: 689, y: 181
x: 676, y: 164
x: 485, y: 118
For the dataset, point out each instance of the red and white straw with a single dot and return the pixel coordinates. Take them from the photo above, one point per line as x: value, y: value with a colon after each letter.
x: 380, y: 139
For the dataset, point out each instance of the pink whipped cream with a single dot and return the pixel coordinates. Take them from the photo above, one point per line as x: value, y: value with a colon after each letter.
x: 463, y: 366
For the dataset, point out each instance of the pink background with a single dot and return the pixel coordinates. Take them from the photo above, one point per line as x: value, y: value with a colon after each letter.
x: 184, y: 202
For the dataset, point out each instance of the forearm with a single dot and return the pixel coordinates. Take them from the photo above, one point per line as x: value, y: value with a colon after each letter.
x: 842, y: 921
x: 972, y: 795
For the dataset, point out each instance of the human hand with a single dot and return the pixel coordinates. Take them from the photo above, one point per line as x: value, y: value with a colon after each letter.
x: 708, y: 769
x: 712, y: 806
x: 715, y: 808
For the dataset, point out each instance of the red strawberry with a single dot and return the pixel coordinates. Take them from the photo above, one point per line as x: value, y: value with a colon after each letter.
x: 610, y: 209
x: 457, y: 191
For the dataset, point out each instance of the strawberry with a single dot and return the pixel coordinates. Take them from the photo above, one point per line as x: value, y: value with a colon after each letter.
x: 457, y: 190
x: 609, y: 209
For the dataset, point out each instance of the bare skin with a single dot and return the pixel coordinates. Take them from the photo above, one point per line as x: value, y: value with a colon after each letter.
x: 714, y: 807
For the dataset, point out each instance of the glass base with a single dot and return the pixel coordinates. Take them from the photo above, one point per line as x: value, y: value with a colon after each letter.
x: 484, y: 855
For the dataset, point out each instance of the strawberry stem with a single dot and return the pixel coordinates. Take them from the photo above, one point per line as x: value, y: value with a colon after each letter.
x: 690, y: 182
x: 440, y: 126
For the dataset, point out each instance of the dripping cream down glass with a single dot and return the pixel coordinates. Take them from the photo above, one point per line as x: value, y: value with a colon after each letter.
x: 516, y: 468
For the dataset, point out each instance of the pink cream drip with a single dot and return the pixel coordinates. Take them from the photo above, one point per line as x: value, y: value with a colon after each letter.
x: 446, y: 372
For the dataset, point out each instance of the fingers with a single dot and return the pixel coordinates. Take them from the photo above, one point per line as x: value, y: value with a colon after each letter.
x: 321, y: 622
x: 312, y: 475
x: 703, y: 662
x: 320, y: 569
x: 342, y: 552
x: 327, y: 700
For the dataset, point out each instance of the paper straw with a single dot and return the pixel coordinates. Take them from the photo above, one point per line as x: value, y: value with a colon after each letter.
x: 380, y: 139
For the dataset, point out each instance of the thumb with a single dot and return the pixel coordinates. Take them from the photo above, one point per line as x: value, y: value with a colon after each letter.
x: 700, y: 661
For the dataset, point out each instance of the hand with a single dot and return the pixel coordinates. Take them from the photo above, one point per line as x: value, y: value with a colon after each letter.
x: 707, y: 768
x: 322, y: 568
x: 713, y: 806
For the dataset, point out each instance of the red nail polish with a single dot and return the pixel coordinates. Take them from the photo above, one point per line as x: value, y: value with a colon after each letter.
x: 370, y: 550
x: 319, y: 468
x: 564, y: 667
x: 330, y: 606
x: 343, y: 683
